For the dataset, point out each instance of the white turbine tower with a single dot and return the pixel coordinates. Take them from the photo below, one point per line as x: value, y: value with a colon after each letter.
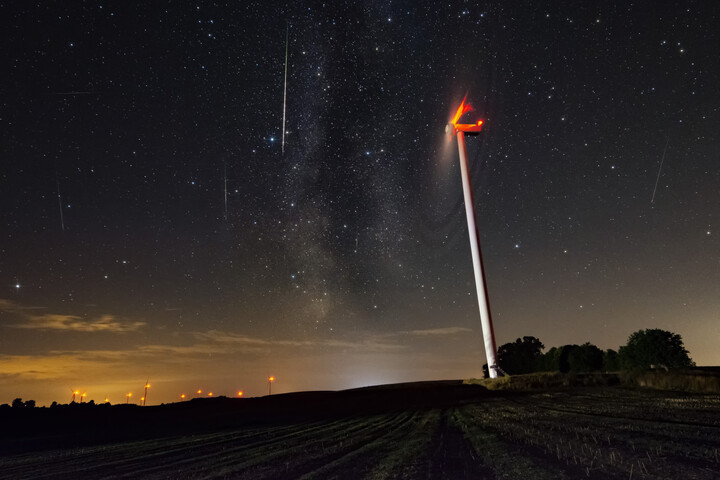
x: 459, y: 130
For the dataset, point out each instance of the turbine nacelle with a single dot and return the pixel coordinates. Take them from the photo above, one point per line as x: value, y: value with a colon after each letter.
x: 454, y: 127
x: 467, y: 128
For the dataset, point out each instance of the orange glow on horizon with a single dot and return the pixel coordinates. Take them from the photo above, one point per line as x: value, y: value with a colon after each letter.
x: 210, y: 394
x: 199, y: 392
x: 182, y: 396
x: 240, y: 393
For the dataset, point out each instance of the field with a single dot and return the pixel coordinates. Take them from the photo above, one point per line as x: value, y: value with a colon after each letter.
x: 426, y: 430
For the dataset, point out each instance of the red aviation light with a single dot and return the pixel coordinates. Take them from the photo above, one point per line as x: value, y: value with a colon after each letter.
x: 465, y: 127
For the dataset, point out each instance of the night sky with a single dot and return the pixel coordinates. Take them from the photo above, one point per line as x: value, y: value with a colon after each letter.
x: 151, y: 227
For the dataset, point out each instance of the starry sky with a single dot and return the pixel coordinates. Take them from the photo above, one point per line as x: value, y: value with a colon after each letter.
x: 151, y: 225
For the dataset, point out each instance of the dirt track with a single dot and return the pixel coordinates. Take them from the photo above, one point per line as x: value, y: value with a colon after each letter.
x: 584, y: 433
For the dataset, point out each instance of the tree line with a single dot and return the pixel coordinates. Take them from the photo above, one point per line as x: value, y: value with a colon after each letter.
x: 651, y: 348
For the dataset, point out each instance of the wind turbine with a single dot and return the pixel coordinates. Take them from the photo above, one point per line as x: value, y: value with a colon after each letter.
x: 459, y: 130
x: 147, y: 385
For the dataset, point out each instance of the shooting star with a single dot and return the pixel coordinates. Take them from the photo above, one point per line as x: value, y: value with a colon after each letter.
x: 287, y: 36
x: 225, y: 182
x: 652, y: 200
x: 73, y: 93
x: 62, y: 221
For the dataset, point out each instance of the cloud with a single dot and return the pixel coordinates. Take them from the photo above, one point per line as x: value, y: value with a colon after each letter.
x: 12, y: 307
x: 54, y: 321
x: 370, y: 343
x: 54, y: 365
x: 202, y: 346
x: 106, y: 323
x: 439, y: 331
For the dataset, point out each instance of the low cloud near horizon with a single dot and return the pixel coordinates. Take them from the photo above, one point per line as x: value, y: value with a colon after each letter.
x: 440, y: 331
x: 64, y: 322
x: 106, y: 323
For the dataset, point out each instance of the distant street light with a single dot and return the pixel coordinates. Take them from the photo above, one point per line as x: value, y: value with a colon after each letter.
x: 210, y: 394
x: 128, y: 397
x: 82, y: 397
x: 240, y: 393
x: 182, y: 396
x: 147, y: 385
x: 270, y: 380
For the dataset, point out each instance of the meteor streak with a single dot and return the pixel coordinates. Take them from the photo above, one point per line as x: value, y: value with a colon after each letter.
x: 62, y: 220
x: 287, y: 36
x: 652, y: 200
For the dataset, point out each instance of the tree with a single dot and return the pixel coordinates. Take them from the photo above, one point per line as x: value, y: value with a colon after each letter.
x: 30, y: 404
x: 550, y: 361
x: 585, y: 358
x: 654, y: 348
x: 611, y: 361
x: 557, y: 359
x: 520, y: 356
x: 18, y: 403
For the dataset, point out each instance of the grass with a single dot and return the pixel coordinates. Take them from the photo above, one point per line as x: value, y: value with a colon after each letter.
x: 546, y: 381
x: 697, y: 381
x: 679, y: 380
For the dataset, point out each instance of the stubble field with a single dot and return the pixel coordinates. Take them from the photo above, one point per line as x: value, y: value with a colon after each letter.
x: 439, y: 430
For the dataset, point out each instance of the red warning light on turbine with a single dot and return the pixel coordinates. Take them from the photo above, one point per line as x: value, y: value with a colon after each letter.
x: 464, y: 127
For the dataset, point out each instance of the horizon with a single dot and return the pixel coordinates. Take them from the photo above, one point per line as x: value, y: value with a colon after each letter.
x: 254, y: 387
